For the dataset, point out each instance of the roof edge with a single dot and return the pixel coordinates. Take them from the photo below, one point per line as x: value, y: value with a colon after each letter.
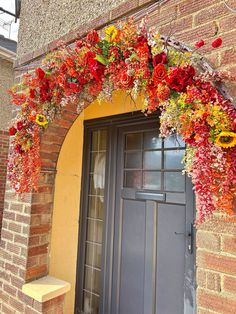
x: 7, y: 54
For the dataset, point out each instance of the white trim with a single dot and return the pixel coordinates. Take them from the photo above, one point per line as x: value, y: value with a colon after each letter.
x: 7, y: 54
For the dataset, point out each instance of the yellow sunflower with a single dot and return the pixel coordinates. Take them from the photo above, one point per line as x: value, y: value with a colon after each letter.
x: 111, y: 33
x: 41, y: 119
x: 226, y: 139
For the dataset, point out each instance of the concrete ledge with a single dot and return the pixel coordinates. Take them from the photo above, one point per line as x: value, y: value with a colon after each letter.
x: 46, y: 288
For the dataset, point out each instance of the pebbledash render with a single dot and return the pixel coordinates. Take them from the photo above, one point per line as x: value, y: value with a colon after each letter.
x: 39, y: 235
x: 7, y: 58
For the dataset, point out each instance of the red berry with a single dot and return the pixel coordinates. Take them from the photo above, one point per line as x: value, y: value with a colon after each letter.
x: 12, y: 131
x: 217, y: 43
x: 200, y: 43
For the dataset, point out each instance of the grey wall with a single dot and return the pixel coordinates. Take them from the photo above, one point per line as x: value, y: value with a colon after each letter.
x: 43, y: 21
x: 6, y: 81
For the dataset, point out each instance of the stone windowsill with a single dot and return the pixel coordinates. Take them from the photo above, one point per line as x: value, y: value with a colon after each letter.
x: 46, y: 288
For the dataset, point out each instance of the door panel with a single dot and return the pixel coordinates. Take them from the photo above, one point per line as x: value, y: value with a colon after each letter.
x: 170, y: 259
x: 132, y: 257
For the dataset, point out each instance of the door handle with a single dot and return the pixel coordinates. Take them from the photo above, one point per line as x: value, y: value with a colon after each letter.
x: 190, y: 239
x: 190, y: 236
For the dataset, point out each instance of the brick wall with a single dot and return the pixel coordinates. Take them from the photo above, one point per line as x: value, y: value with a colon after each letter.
x: 4, y: 143
x: 27, y: 222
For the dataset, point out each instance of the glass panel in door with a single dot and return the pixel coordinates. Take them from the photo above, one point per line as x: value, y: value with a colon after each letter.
x: 94, y: 224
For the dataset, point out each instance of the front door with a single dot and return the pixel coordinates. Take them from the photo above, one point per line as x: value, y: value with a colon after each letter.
x: 140, y: 259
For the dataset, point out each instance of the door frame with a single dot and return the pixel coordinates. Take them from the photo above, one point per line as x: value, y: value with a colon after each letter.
x: 112, y: 124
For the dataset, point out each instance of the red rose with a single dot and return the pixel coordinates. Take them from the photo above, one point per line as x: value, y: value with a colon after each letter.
x: 217, y: 43
x: 12, y: 131
x: 159, y: 74
x: 160, y: 58
x: 92, y: 37
x: 181, y: 77
x: 40, y: 74
x: 199, y: 44
x: 20, y: 125
x: 96, y: 68
x: 126, y: 80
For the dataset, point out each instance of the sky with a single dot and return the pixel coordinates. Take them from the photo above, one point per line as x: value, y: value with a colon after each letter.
x: 12, y: 27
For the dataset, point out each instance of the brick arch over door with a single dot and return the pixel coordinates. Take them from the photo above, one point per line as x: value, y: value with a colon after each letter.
x: 42, y: 201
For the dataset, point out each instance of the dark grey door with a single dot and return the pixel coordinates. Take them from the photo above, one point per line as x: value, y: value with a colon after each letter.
x: 152, y: 270
x: 135, y: 244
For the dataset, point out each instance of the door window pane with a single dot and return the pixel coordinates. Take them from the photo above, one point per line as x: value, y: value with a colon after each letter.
x: 94, y: 232
x: 133, y: 179
x: 174, y: 140
x: 93, y: 255
x: 152, y: 140
x: 99, y: 140
x: 92, y: 280
x: 133, y: 141
x: 152, y: 160
x: 91, y: 303
x: 174, y: 181
x: 173, y: 159
x: 133, y: 160
x: 152, y: 180
x: 96, y: 207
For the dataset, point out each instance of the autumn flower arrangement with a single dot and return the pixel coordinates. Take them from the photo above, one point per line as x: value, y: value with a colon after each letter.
x: 140, y: 62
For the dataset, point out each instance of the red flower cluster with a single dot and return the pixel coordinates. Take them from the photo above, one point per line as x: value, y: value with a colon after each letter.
x: 181, y: 77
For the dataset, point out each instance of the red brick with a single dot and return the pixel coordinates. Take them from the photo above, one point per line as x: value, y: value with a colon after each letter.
x: 36, y: 272
x: 124, y: 8
x: 227, y: 23
x: 23, y: 218
x: 7, y: 310
x: 9, y: 289
x: 201, y: 278
x: 213, y: 281
x: 14, y: 227
x: 17, y: 282
x: 41, y: 208
x: 17, y: 305
x: 229, y: 284
x: 208, y: 241
x: 40, y: 229
x: 228, y: 57
x: 229, y: 244
x: 205, y: 31
x: 220, y: 263
x: 217, y: 225
x: 37, y: 250
x: 215, y: 12
x: 192, y: 6
x: 216, y: 302
x: 21, y: 240
x: 179, y: 25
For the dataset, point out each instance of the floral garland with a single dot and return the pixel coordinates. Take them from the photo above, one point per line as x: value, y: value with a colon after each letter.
x: 130, y: 58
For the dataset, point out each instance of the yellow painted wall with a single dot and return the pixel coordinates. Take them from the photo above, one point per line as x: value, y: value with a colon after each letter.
x: 64, y: 238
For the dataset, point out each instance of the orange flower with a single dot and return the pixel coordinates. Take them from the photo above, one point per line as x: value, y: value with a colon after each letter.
x: 159, y: 74
x: 163, y: 92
